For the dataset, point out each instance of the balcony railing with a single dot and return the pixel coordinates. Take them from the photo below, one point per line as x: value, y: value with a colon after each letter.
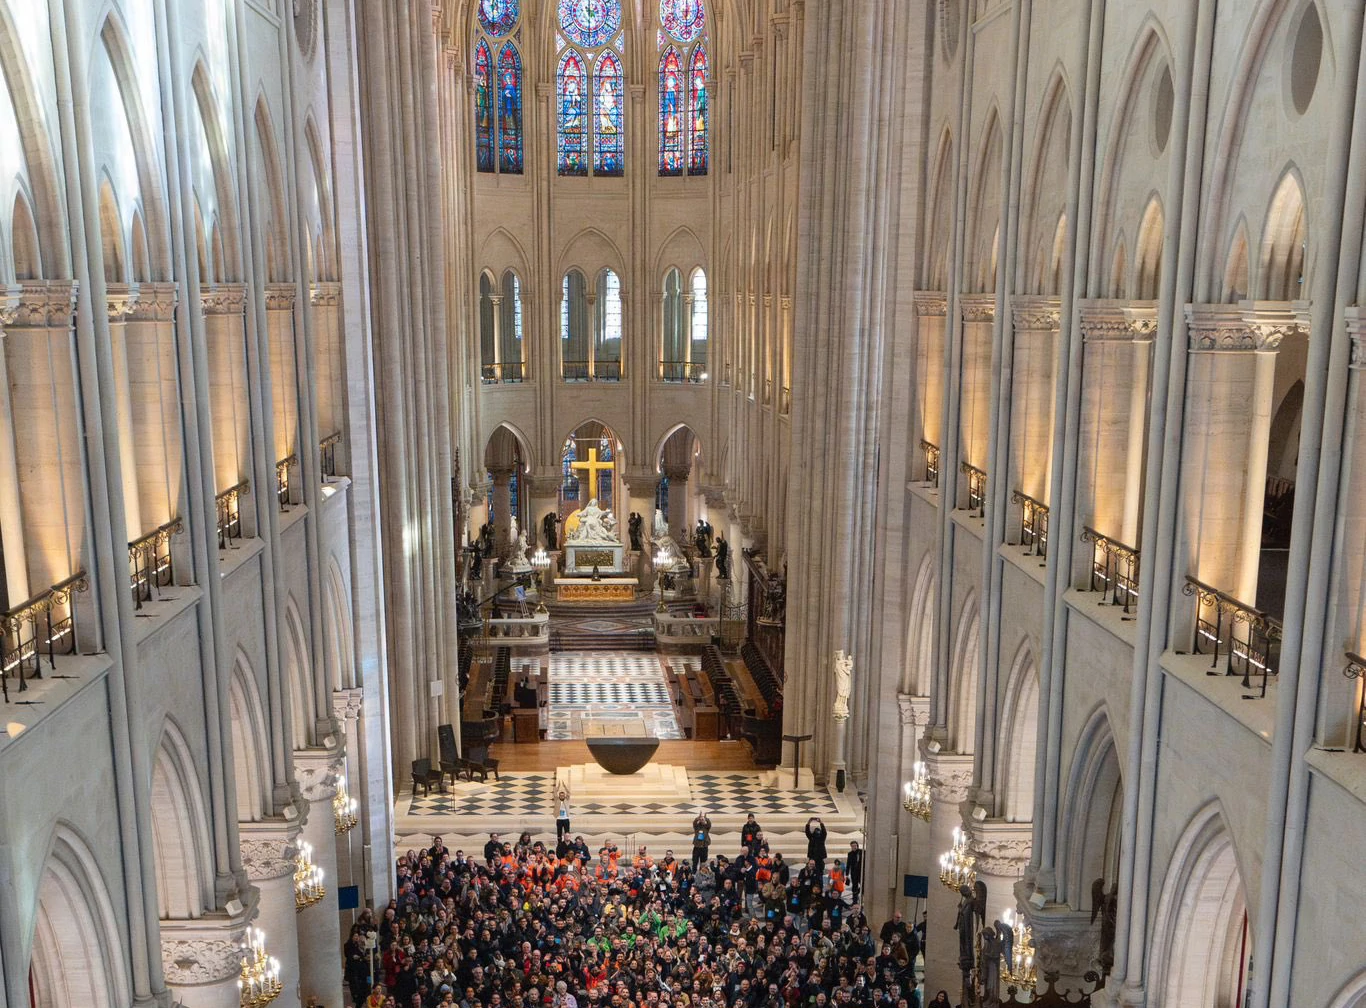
x: 1033, y: 524
x: 977, y: 488
x: 1356, y: 669
x: 1248, y: 639
x: 1114, y: 569
x: 931, y: 463
x: 149, y: 562
x: 327, y: 455
x: 586, y: 371
x: 508, y: 373
x: 282, y: 480
x: 229, y: 506
x: 42, y: 627
x: 682, y: 372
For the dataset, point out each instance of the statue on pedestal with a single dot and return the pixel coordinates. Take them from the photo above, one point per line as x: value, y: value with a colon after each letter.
x: 635, y: 524
x: 550, y: 529
x: 668, y: 557
x: 722, y: 558
x: 517, y: 558
x: 702, y: 538
x: 844, y: 682
x: 596, y: 527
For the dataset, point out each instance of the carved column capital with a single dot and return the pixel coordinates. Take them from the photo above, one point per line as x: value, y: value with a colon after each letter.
x: 1356, y: 329
x: 1104, y: 319
x: 280, y: 296
x: 325, y: 294
x: 318, y: 771
x: 156, y: 302
x: 120, y: 300
x: 346, y: 703
x: 9, y: 305
x: 223, y: 299
x: 950, y: 775
x: 204, y: 951
x: 268, y: 847
x: 1035, y: 314
x: 913, y: 710
x: 930, y: 304
x: 677, y: 474
x: 1248, y: 325
x: 977, y: 307
x: 1002, y: 849
x: 1066, y: 942
x: 46, y: 304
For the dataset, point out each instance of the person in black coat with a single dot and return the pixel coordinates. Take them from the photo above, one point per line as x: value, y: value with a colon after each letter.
x: 815, y: 841
x: 853, y: 862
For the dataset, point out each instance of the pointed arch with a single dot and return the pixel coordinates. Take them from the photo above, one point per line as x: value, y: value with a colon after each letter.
x: 918, y: 675
x: 1200, y: 943
x: 76, y: 959
x: 25, y: 251
x: 483, y: 108
x: 298, y: 670
x: 609, y: 123
x: 962, y: 721
x: 1092, y: 804
x: 1284, y: 256
x: 137, y: 231
x: 325, y: 261
x: 1238, y: 266
x: 111, y: 234
x: 250, y: 730
x: 337, y: 632
x: 672, y: 111
x: 571, y: 89
x: 206, y: 103
x: 509, y: 109
x: 278, y: 265
x: 1119, y: 269
x: 985, y: 215
x: 1020, y: 736
x: 1148, y: 253
x: 180, y: 831
x: 1046, y: 197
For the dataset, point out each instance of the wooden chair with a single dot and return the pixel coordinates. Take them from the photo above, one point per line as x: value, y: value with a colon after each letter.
x: 424, y: 777
x: 483, y: 764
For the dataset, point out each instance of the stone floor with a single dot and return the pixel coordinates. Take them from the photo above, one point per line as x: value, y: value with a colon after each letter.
x: 608, y: 685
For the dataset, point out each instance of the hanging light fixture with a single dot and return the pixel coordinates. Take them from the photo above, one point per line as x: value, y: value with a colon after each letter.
x: 1018, y: 968
x: 541, y: 561
x: 956, y: 864
x: 343, y: 808
x: 916, y: 799
x: 308, y: 878
x: 259, y: 983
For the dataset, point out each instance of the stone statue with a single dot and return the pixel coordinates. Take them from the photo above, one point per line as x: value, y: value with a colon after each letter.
x: 486, y: 538
x: 844, y: 682
x: 990, y: 970
x: 668, y: 557
x: 964, y: 925
x: 550, y: 525
x: 702, y: 538
x: 517, y: 558
x: 596, y: 527
x: 1006, y: 937
x: 634, y: 524
x: 661, y: 528
x: 722, y: 557
x: 476, y: 559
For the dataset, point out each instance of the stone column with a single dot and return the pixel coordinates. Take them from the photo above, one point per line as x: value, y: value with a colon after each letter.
x: 154, y: 393
x: 201, y: 959
x: 1066, y: 942
x: 1002, y: 850
x: 678, y: 502
x: 979, y: 315
x: 224, y: 309
x: 347, y: 705
x: 950, y: 777
x: 502, y: 509
x: 1224, y: 462
x: 11, y: 512
x: 1036, y: 322
x: 325, y: 297
x: 543, y: 495
x: 268, y: 850
x: 119, y: 302
x: 913, y: 854
x: 284, y: 386
x: 931, y: 323
x: 320, y: 975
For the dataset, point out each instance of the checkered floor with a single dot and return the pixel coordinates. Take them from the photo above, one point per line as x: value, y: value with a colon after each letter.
x: 530, y: 794
x: 609, y: 685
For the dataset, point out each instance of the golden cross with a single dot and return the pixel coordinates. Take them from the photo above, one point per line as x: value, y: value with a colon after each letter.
x: 593, y: 467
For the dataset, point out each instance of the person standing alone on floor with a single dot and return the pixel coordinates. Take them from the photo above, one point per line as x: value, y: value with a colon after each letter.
x: 561, y: 813
x: 701, y: 838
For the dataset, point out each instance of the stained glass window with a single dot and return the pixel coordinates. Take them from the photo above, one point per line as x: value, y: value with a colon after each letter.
x: 498, y: 17
x: 498, y: 88
x: 573, y: 142
x: 609, y: 142
x: 590, y: 23
x: 671, y: 112
x: 483, y: 108
x: 698, y: 113
x: 683, y: 91
x: 510, y: 110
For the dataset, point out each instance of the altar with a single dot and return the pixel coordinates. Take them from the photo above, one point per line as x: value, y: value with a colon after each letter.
x: 607, y: 557
x: 605, y: 589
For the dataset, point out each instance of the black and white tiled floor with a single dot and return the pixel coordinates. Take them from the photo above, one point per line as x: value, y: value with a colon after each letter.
x: 609, y: 685
x: 530, y: 794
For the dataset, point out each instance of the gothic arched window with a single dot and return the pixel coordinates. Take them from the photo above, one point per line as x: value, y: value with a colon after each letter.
x: 498, y: 88
x: 609, y: 329
x: 683, y: 94
x: 684, y: 346
x: 591, y: 109
x: 574, y: 346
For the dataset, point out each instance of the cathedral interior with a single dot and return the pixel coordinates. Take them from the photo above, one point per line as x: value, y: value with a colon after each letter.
x: 945, y: 416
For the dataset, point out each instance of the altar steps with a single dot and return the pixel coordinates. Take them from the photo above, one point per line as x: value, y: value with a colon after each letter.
x: 605, y: 626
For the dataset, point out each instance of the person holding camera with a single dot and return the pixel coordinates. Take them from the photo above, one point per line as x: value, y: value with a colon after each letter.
x: 701, y: 838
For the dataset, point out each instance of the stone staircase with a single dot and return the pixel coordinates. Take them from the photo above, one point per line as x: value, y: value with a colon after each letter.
x: 606, y: 626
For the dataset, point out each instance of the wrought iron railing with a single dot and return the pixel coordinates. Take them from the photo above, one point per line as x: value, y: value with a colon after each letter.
x: 282, y: 480
x: 327, y: 455
x: 508, y: 372
x: 1114, y: 569
x: 931, y: 463
x: 1248, y: 639
x: 683, y: 372
x: 1356, y: 669
x: 229, y: 506
x: 42, y: 627
x: 149, y: 562
x: 977, y: 488
x: 1033, y: 524
x: 585, y: 371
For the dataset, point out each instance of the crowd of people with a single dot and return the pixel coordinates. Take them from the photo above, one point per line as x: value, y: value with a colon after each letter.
x: 528, y: 925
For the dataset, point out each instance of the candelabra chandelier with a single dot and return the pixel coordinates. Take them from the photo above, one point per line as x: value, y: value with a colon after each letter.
x: 1019, y: 969
x: 343, y: 809
x: 308, y: 878
x: 917, y: 798
x: 540, y: 560
x: 956, y: 865
x: 259, y: 983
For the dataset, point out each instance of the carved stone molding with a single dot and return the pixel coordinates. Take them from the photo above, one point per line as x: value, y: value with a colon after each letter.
x: 930, y: 304
x: 196, y: 961
x: 268, y: 848
x: 346, y: 703
x: 977, y: 307
x: 1128, y: 321
x: 1356, y: 329
x: 317, y: 771
x: 913, y: 710
x: 223, y: 299
x: 120, y: 300
x: 1248, y: 325
x: 9, y: 305
x: 543, y: 486
x: 156, y: 303
x: 1035, y: 314
x: 325, y: 294
x: 1002, y: 849
x: 1065, y: 941
x: 280, y: 296
x: 45, y: 304
x: 950, y: 775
